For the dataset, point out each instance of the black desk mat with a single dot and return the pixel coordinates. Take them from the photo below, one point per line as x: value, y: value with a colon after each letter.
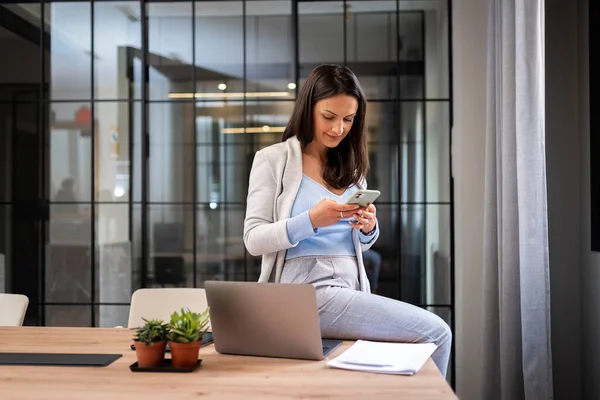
x: 56, y: 359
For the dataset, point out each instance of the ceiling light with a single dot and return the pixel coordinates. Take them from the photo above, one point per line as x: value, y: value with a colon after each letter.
x: 119, y: 191
x: 291, y: 86
x: 221, y: 95
x: 222, y: 86
x: 262, y: 129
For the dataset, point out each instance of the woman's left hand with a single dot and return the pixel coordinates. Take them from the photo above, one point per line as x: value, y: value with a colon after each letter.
x: 365, y: 219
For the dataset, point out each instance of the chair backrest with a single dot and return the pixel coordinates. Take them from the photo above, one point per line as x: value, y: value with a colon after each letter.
x: 12, y: 309
x: 160, y: 303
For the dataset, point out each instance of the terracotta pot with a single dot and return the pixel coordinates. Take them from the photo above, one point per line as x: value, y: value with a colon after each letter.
x: 150, y: 355
x: 184, y: 355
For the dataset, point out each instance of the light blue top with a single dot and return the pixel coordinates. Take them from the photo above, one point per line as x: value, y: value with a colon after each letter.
x: 332, y: 240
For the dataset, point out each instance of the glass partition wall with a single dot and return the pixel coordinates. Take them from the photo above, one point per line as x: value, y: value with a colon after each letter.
x: 128, y: 130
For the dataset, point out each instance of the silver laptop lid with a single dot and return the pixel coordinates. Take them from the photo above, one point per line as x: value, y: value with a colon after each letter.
x: 265, y: 319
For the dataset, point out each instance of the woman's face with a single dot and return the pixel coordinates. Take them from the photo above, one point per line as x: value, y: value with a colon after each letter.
x: 333, y: 118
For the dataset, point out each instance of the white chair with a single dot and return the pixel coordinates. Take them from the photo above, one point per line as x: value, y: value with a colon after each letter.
x: 161, y: 302
x: 12, y: 309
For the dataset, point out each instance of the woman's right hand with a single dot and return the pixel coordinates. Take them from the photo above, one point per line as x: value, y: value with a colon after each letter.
x: 328, y: 212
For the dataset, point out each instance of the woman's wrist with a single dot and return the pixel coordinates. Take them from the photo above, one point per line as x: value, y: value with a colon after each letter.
x: 369, y: 233
x: 311, y: 219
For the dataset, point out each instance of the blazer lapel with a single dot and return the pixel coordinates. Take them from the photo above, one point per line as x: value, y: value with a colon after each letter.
x: 292, y: 177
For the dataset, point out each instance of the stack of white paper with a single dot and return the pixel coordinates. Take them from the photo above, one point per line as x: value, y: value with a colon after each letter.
x: 384, y: 358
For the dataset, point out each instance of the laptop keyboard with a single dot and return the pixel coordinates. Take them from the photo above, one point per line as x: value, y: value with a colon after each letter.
x: 328, y: 345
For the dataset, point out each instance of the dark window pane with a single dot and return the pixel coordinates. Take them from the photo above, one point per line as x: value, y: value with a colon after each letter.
x: 71, y: 153
x: 421, y: 146
x: 169, y: 49
x: 117, y: 41
x: 220, y: 152
x: 138, y: 159
x: 171, y: 152
x: 438, y: 254
x: 413, y: 254
x: 138, y: 278
x: 383, y: 144
x: 107, y: 316
x: 266, y: 121
x: 437, y: 157
x: 443, y: 312
x: 382, y: 262
x: 117, y: 122
x: 371, y: 46
x: 69, y: 316
x: 416, y: 156
x: 23, y: 149
x: 426, y: 254
x: 20, y: 37
x: 219, y: 49
x: 70, y: 59
x: 321, y: 34
x: 253, y: 266
x: 437, y: 71
x: 113, y: 254
x: 5, y: 180
x: 171, y: 244
x: 413, y: 152
x: 68, y: 254
x: 22, y: 253
x: 270, y: 49
x: 411, y: 30
x: 220, y: 247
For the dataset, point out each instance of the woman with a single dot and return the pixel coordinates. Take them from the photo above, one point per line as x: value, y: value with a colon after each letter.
x: 297, y: 220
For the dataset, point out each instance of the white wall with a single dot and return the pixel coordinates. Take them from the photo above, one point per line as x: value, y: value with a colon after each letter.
x: 469, y: 24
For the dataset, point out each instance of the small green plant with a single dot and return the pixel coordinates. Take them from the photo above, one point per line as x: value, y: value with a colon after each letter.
x: 188, y: 326
x: 153, y: 331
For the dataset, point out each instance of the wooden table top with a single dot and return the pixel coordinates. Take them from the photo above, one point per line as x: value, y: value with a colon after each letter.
x: 219, y: 376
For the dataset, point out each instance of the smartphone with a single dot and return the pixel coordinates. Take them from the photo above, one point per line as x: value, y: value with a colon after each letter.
x: 363, y: 197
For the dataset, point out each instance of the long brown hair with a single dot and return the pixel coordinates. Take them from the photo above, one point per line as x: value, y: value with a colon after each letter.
x: 349, y: 161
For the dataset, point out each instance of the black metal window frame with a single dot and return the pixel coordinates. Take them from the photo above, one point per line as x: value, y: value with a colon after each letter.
x: 40, y: 37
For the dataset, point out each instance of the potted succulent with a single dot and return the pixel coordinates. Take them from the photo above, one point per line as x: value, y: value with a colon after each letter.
x: 185, y: 336
x: 150, y: 342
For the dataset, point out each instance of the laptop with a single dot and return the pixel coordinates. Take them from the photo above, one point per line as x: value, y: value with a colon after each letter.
x: 266, y: 319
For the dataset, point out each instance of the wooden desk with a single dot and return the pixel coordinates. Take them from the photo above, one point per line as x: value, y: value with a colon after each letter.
x: 219, y: 377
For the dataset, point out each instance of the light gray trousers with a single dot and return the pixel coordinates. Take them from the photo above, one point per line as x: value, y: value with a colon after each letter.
x: 347, y: 313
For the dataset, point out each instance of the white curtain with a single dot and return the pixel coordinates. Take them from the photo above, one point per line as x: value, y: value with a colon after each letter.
x: 517, y: 354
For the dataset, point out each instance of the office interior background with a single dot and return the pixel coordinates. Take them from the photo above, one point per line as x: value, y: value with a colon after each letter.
x: 128, y: 130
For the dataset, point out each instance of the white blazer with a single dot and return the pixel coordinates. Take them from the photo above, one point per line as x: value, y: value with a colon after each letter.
x: 274, y: 181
